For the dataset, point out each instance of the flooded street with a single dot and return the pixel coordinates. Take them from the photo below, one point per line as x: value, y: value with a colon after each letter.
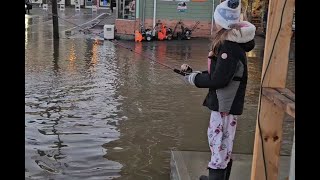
x: 94, y: 110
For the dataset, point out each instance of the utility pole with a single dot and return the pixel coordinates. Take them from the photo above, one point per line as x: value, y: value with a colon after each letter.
x: 55, y: 19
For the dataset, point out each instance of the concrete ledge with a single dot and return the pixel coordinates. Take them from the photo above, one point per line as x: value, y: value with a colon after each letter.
x: 190, y: 165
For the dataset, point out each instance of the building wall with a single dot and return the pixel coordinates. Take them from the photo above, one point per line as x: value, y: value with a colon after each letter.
x: 81, y: 2
x: 125, y: 26
x: 203, y: 29
x: 168, y: 10
x: 168, y: 14
x: 196, y: 11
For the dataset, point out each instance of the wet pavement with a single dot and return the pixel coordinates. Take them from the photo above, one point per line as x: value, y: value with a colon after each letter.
x: 94, y: 110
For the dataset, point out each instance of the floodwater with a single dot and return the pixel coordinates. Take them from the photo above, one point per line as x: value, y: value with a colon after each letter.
x: 94, y: 110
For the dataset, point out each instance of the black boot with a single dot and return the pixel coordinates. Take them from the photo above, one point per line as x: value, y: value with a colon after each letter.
x: 215, y: 174
x: 228, y: 169
x: 203, y: 177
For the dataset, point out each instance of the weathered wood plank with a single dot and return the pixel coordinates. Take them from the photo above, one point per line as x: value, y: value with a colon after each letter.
x: 271, y: 119
x: 287, y: 92
x: 280, y: 100
x: 277, y: 70
x: 273, y: 103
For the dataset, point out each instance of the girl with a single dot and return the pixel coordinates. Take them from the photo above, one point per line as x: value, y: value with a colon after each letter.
x: 226, y: 80
x: 112, y: 4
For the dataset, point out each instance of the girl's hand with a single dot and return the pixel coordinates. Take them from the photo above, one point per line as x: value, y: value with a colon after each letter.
x: 185, y: 67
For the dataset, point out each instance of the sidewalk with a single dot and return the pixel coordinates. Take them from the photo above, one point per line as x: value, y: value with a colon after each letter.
x: 187, y: 165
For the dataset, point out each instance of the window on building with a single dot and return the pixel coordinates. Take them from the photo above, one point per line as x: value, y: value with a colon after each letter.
x: 104, y: 3
x: 126, y: 9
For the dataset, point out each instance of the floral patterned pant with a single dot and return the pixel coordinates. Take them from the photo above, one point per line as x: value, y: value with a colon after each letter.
x: 221, y: 131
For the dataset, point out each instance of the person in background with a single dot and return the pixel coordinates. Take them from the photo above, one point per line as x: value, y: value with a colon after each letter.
x: 28, y: 4
x: 112, y: 4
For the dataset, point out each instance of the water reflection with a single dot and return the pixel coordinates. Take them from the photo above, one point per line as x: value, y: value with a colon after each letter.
x: 72, y: 58
x: 94, y: 58
x: 56, y: 51
x: 68, y: 115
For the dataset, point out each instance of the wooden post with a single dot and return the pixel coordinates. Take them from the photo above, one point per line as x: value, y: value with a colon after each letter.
x: 277, y: 71
x: 271, y: 120
x: 55, y: 19
x: 271, y: 114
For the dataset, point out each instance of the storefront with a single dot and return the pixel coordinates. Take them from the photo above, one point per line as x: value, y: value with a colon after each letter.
x: 127, y: 17
x: 126, y: 9
x: 104, y: 3
x: 74, y: 2
x: 132, y: 13
x: 61, y: 1
x: 40, y: 2
x: 101, y: 4
x: 36, y: 1
x: 88, y: 3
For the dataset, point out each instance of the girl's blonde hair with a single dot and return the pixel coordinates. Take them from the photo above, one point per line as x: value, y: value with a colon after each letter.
x: 221, y: 35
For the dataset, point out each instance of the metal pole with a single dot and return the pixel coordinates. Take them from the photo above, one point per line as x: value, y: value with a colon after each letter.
x: 212, y: 17
x: 123, y: 6
x: 144, y: 12
x: 137, y: 9
x: 154, y: 15
x: 55, y: 19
